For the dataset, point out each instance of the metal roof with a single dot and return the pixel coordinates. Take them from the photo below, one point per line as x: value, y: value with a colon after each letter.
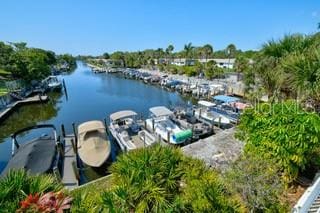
x: 225, y: 98
x: 160, y: 111
x: 122, y: 114
x: 206, y: 103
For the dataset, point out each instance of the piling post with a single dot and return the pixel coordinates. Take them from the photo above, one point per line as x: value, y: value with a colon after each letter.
x: 152, y: 125
x: 75, y: 137
x: 63, y: 131
x: 168, y: 137
x: 220, y: 122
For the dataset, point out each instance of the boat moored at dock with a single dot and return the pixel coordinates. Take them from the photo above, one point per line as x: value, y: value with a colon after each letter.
x: 205, y: 112
x: 43, y: 154
x: 94, y: 148
x: 127, y: 132
x: 161, y: 125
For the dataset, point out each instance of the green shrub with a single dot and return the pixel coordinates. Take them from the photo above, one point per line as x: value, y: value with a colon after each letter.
x: 19, y: 184
x: 162, y: 179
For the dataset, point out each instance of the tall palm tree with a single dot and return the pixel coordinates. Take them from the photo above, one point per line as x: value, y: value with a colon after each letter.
x: 303, y: 75
x: 188, y: 49
x: 169, y: 51
x: 207, y: 50
x: 241, y: 65
x: 231, y: 51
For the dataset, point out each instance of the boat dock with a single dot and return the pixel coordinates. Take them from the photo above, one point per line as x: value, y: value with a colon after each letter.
x: 33, y: 99
x: 70, y: 177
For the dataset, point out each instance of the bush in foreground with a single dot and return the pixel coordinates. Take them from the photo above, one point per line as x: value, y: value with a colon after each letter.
x: 162, y: 179
x: 17, y: 185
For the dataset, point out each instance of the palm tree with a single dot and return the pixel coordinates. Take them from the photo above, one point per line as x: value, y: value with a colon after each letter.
x: 188, y: 49
x: 207, y: 50
x: 303, y: 75
x: 231, y: 51
x: 169, y: 51
x: 241, y: 65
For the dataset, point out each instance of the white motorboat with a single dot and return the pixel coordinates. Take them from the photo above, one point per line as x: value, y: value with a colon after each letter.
x: 127, y: 132
x: 52, y: 83
x: 204, y: 111
x: 94, y: 148
x: 161, y: 124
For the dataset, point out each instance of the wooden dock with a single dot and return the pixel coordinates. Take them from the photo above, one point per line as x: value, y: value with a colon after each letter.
x: 34, y: 99
x: 70, y: 177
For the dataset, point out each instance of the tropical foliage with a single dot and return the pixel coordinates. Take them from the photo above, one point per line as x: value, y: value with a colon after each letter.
x: 283, y: 132
x: 48, y: 202
x: 161, y: 179
x: 17, y: 185
x: 289, y: 68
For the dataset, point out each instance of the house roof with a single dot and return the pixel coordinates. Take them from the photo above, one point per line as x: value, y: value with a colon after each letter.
x: 160, y: 111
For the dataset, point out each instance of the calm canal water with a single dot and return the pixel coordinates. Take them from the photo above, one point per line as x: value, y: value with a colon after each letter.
x: 90, y: 96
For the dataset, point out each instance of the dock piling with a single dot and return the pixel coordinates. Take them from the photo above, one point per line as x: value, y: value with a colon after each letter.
x: 63, y: 131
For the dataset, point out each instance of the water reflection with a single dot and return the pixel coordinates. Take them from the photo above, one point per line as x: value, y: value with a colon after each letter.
x: 29, y: 116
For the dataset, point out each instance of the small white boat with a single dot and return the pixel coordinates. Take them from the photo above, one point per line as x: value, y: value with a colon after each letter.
x: 93, y: 146
x: 127, y: 132
x: 204, y: 112
x: 52, y: 83
x: 161, y: 124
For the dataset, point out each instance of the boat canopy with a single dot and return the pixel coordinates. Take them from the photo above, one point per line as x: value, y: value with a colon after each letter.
x: 160, y: 111
x: 122, y: 114
x: 90, y: 126
x: 225, y: 98
x: 206, y: 103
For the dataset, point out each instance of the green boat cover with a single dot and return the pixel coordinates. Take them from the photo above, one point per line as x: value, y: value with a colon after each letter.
x: 182, y: 136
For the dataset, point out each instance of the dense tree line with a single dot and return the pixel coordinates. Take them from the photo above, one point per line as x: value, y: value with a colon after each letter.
x: 146, y: 57
x: 30, y: 63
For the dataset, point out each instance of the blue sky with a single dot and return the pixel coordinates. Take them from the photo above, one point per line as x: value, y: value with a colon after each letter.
x: 97, y: 26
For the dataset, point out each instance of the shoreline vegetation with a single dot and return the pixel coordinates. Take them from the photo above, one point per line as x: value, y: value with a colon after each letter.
x: 29, y: 65
x: 281, y: 137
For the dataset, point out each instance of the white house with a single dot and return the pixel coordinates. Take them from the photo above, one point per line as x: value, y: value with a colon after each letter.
x: 221, y: 62
x: 183, y: 62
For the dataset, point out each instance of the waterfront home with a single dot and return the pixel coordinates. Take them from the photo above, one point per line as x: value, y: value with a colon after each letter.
x: 221, y: 62
x: 183, y: 62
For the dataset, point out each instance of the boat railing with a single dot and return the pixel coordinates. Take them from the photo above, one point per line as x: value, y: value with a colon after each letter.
x: 16, y: 145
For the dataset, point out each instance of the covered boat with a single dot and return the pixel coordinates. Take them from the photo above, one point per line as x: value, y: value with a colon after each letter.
x: 93, y: 146
x: 127, y: 132
x: 206, y: 111
x: 38, y: 156
x: 163, y: 126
